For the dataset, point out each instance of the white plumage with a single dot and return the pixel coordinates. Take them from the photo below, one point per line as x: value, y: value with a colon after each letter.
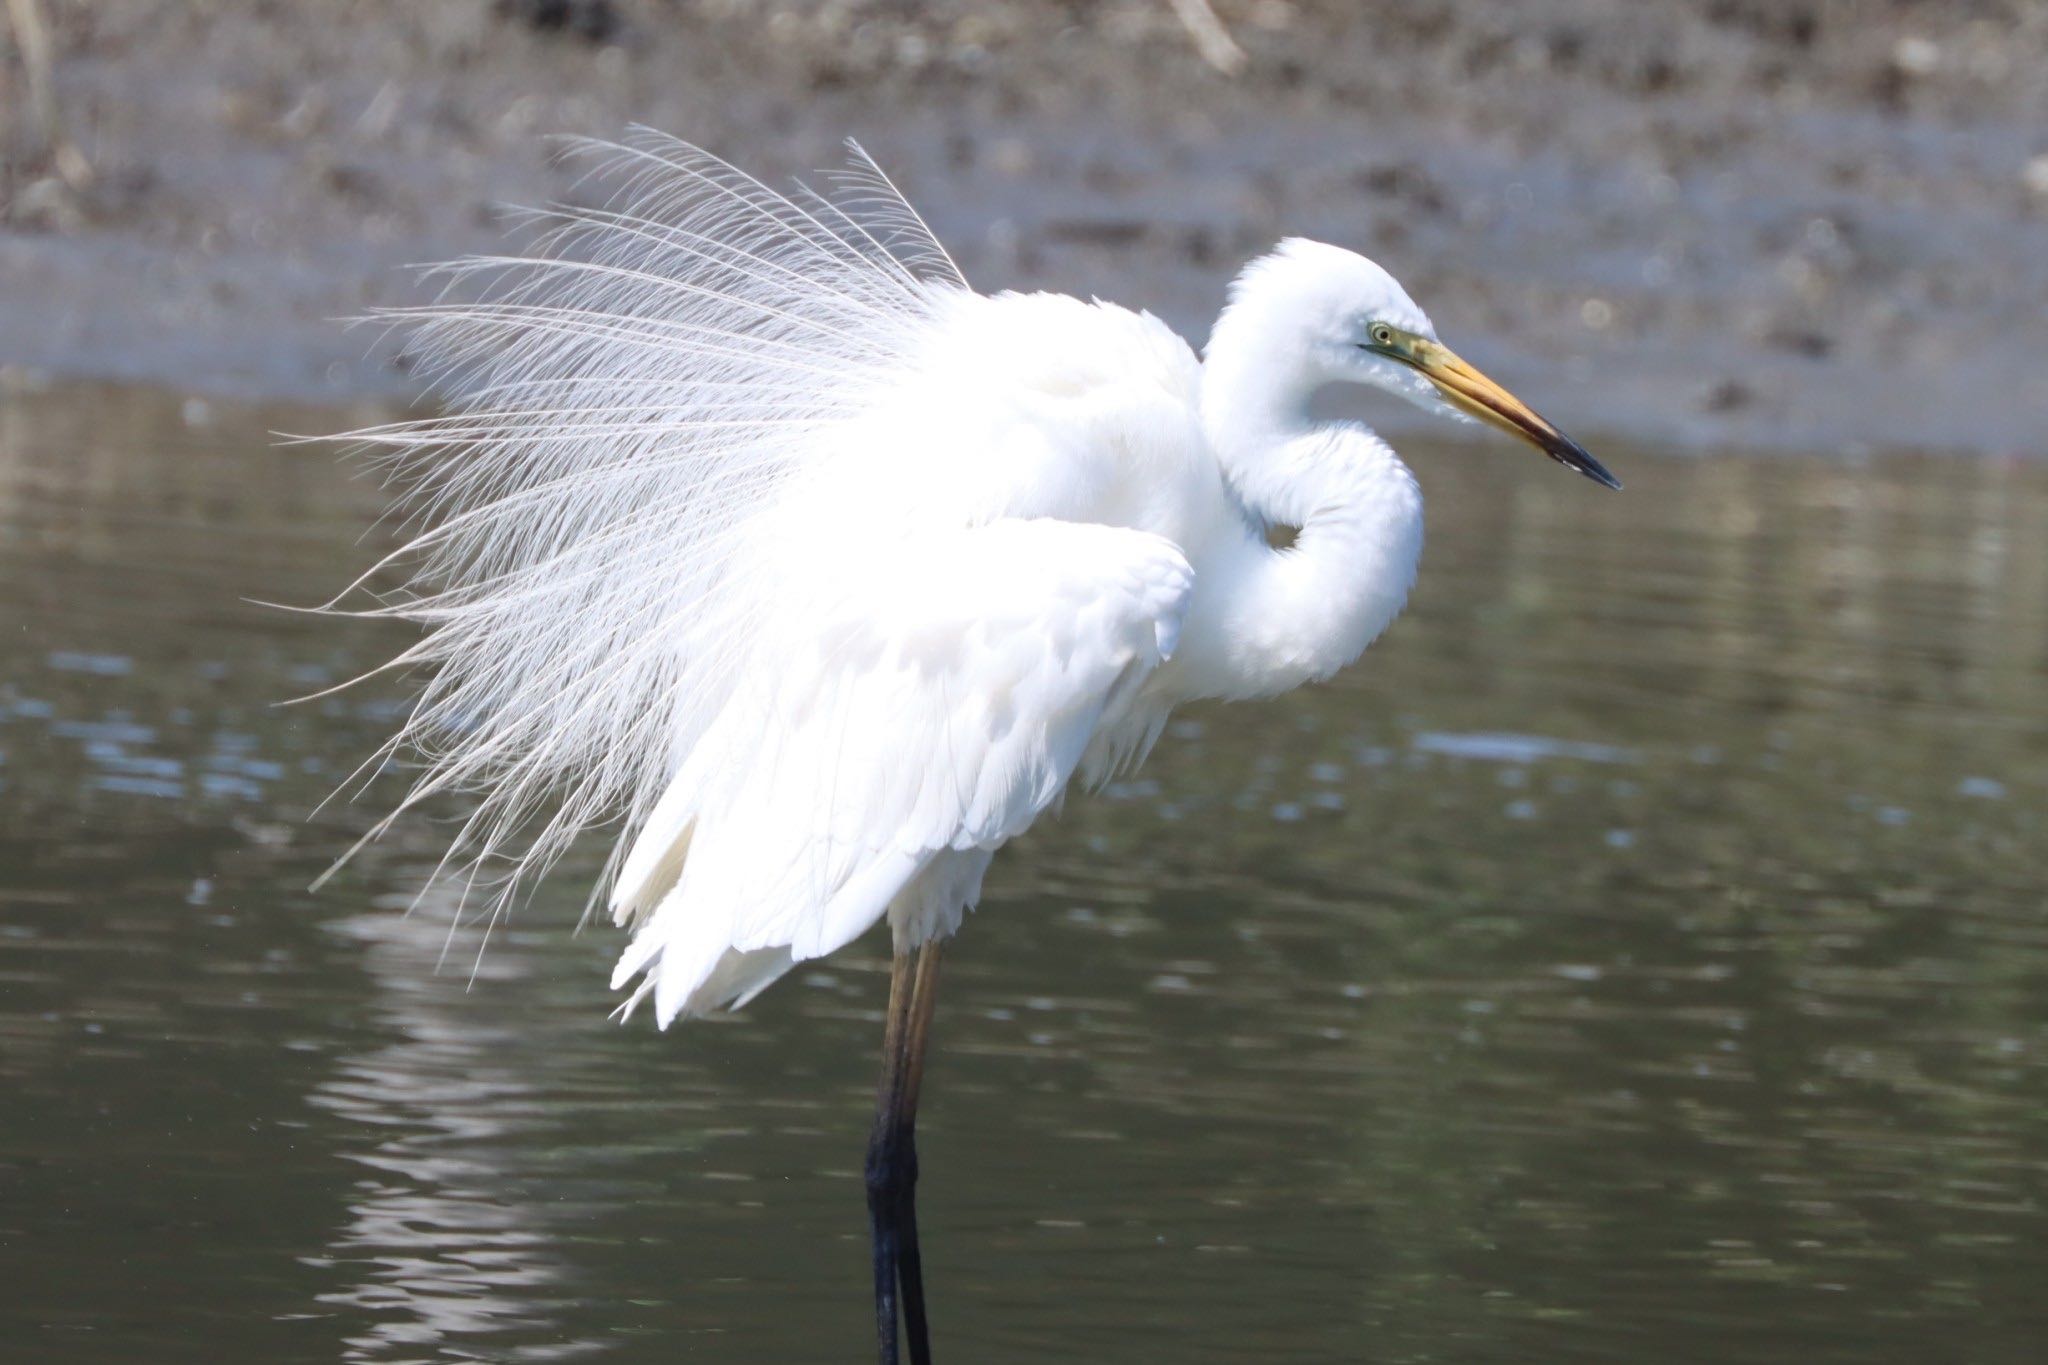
x: 912, y: 721
x: 752, y: 529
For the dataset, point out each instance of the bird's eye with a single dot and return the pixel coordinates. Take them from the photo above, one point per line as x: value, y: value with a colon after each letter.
x: 1382, y: 335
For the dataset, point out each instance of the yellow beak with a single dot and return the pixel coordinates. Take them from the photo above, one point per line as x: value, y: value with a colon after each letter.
x: 1471, y: 392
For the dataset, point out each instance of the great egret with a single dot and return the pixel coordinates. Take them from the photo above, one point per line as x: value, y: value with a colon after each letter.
x: 752, y: 528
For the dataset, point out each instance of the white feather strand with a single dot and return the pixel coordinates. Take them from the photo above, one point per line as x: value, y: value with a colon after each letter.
x: 623, y: 406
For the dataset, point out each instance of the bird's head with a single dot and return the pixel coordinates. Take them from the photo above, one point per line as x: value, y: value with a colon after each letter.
x: 1336, y: 317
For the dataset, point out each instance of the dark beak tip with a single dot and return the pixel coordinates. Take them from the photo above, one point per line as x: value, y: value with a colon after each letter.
x: 1577, y: 458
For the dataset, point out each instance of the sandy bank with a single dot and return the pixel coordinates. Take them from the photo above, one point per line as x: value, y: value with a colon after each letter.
x: 1806, y: 223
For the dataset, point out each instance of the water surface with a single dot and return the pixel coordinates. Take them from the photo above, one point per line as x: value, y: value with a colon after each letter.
x: 1643, y: 955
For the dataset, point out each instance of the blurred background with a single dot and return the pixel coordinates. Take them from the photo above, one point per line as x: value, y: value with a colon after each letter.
x: 1643, y: 954
x: 1807, y: 222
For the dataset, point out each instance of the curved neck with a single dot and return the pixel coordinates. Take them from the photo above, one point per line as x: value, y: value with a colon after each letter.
x: 1280, y: 617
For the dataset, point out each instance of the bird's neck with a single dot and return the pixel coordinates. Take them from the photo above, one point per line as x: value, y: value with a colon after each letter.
x: 1291, y: 614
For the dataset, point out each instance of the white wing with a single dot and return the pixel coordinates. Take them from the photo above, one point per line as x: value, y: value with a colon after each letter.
x: 931, y: 701
x: 625, y: 407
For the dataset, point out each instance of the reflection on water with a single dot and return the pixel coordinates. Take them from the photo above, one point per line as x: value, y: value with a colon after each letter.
x: 1642, y: 956
x: 441, y: 1243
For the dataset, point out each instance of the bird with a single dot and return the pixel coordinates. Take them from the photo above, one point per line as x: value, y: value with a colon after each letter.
x: 749, y: 533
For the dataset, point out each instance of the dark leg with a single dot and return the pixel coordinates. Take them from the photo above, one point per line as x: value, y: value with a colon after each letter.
x: 881, y: 1177
x: 892, y: 1155
x: 925, y: 995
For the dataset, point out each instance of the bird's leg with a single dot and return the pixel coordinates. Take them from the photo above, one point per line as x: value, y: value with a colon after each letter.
x: 910, y: 1266
x: 881, y: 1156
x: 892, y: 1154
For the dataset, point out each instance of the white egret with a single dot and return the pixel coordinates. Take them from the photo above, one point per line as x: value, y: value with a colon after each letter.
x: 752, y: 529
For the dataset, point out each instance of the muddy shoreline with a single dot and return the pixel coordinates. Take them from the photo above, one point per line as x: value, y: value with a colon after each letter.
x: 1807, y: 225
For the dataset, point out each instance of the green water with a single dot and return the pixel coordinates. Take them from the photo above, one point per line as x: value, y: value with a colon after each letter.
x: 1642, y: 956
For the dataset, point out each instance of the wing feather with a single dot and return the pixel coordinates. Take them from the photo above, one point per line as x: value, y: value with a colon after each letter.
x: 935, y: 700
